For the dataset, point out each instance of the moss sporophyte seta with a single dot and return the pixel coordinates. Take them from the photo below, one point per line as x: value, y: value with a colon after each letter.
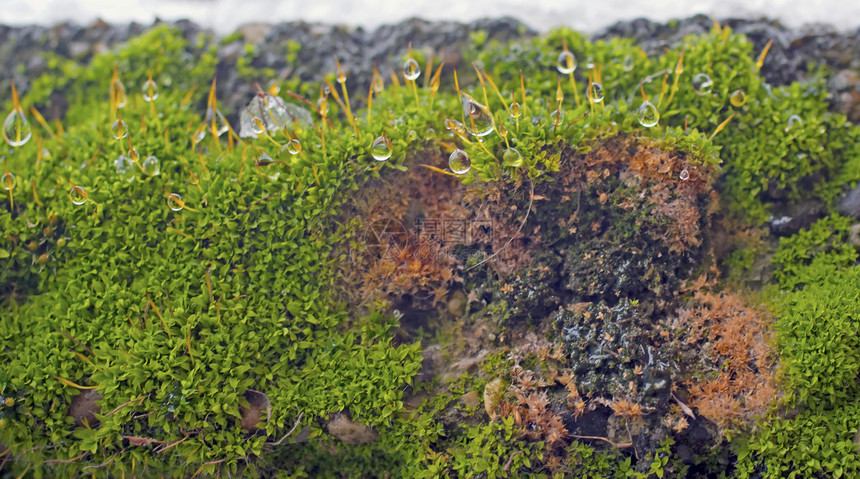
x: 516, y: 264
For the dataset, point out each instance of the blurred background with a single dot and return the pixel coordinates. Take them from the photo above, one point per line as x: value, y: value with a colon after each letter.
x: 588, y: 16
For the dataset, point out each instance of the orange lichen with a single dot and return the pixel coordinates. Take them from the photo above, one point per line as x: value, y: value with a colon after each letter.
x: 737, y: 341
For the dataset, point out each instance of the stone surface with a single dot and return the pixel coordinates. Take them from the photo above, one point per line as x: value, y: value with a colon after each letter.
x: 358, y: 50
x: 349, y: 431
x: 850, y: 203
x: 84, y: 407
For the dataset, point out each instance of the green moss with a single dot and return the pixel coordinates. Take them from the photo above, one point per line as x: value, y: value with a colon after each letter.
x: 813, y: 253
x: 173, y: 316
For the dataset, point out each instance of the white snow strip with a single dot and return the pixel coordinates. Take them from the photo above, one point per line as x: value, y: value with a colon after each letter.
x: 588, y: 16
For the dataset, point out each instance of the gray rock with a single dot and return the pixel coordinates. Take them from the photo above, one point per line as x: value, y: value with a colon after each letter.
x: 850, y: 204
x: 854, y: 235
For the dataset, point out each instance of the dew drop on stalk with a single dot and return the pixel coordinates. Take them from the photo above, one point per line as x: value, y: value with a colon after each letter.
x: 557, y: 116
x: 412, y: 136
x: 341, y: 78
x: 566, y: 62
x: 411, y: 70
x: 512, y: 157
x: 627, y: 64
x: 133, y: 154
x: 119, y: 130
x: 216, y: 119
x: 377, y: 84
x: 174, y: 202
x: 455, y: 127
x: 595, y: 92
x: 685, y: 175
x: 515, y: 110
x: 702, y: 83
x: 78, y: 195
x: 648, y: 114
x: 124, y: 167
x: 738, y: 98
x: 257, y: 125
x: 380, y: 149
x: 199, y: 134
x: 119, y: 93
x: 322, y: 106
x: 479, y: 121
x: 16, y: 128
x: 151, y: 167
x: 268, y: 164
x: 150, y: 90
x: 294, y: 146
x: 459, y: 162
x: 793, y: 120
x: 8, y: 181
x: 589, y: 63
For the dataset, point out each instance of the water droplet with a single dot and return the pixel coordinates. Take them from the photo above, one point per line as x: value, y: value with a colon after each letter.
x: 455, y: 127
x: 557, y: 116
x: 793, y: 120
x: 566, y: 62
x: 589, y: 63
x: 627, y: 64
x: 512, y: 157
x: 411, y: 70
x: 78, y: 195
x: 595, y: 92
x: 381, y: 149
x: 150, y: 90
x: 702, y: 83
x: 199, y: 134
x: 133, y: 154
x: 326, y: 90
x: 268, y: 164
x: 377, y: 84
x: 322, y: 106
x: 124, y: 167
x: 503, y: 132
x: 738, y: 98
x: 8, y: 181
x: 459, y: 162
x: 119, y: 93
x: 151, y: 167
x: 479, y: 121
x: 685, y: 175
x: 174, y: 202
x: 274, y: 88
x: 294, y: 146
x: 215, y: 120
x: 341, y: 78
x: 515, y: 110
x: 412, y: 136
x: 257, y: 126
x: 648, y: 114
x: 16, y: 128
x: 119, y: 130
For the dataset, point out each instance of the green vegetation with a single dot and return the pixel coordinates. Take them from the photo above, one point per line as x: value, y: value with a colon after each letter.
x: 819, y: 311
x: 189, y: 318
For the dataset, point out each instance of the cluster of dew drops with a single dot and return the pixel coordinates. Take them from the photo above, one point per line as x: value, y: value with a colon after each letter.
x: 17, y: 130
x: 647, y: 114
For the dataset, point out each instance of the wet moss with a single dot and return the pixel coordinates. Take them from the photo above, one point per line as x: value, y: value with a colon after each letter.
x: 222, y: 337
